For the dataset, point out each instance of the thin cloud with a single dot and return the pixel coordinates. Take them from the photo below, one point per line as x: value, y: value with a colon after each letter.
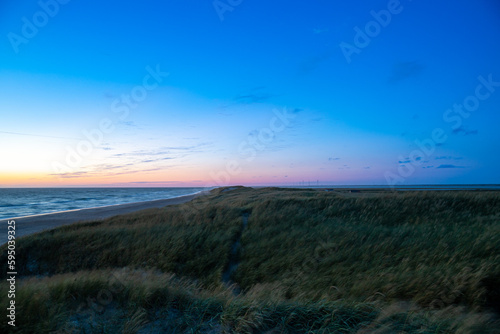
x: 256, y: 95
x: 252, y: 98
x: 109, y: 95
x: 164, y: 150
x: 464, y: 131
x: 129, y: 124
x: 136, y: 162
x: 449, y: 166
x: 318, y: 31
x: 154, y: 160
x: 37, y: 135
x: 184, y: 148
x: 156, y: 182
x: 444, y: 157
x: 72, y: 175
x: 309, y: 65
x: 109, y: 170
x: 136, y: 171
x: 405, y: 70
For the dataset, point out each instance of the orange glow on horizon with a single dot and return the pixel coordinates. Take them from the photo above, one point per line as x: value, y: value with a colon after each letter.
x: 187, y: 177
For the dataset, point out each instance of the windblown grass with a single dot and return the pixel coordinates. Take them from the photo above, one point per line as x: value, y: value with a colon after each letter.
x: 310, y: 261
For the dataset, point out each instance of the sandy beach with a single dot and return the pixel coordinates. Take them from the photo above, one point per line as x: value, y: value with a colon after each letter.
x: 33, y: 224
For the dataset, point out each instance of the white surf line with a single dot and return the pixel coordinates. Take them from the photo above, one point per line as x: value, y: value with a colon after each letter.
x: 101, y: 207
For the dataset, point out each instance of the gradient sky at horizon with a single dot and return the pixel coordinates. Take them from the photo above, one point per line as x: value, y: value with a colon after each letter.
x: 213, y: 120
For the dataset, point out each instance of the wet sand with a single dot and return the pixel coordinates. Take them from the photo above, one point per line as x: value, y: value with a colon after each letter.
x: 33, y: 224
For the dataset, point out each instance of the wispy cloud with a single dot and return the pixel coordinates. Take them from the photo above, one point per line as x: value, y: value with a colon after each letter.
x: 154, y: 160
x: 253, y: 98
x: 185, y: 148
x: 156, y: 182
x: 408, y: 160
x: 129, y: 124
x: 109, y: 95
x: 465, y: 132
x: 318, y: 31
x: 124, y: 163
x: 405, y: 70
x: 450, y: 166
x: 167, y: 152
x: 312, y: 63
x: 95, y: 171
x: 37, y: 135
x: 256, y: 95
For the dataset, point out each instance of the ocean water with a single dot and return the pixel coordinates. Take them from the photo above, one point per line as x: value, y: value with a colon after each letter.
x: 20, y: 202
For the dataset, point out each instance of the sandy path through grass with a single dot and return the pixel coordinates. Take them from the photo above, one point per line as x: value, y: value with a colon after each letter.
x: 234, y: 258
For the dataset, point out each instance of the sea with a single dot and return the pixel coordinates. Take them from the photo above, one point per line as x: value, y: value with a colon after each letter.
x: 21, y: 202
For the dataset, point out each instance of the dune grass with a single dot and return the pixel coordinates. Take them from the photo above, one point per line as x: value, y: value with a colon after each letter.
x: 309, y: 261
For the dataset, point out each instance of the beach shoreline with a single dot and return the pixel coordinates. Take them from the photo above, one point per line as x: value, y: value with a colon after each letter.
x: 37, y: 223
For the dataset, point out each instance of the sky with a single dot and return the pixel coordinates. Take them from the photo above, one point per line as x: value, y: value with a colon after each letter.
x: 213, y: 93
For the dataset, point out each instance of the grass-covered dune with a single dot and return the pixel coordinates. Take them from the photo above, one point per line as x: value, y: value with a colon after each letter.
x: 270, y: 260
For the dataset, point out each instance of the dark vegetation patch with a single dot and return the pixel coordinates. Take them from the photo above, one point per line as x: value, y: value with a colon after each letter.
x: 307, y: 261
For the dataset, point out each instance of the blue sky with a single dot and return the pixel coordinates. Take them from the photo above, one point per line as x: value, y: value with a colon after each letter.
x: 233, y: 66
